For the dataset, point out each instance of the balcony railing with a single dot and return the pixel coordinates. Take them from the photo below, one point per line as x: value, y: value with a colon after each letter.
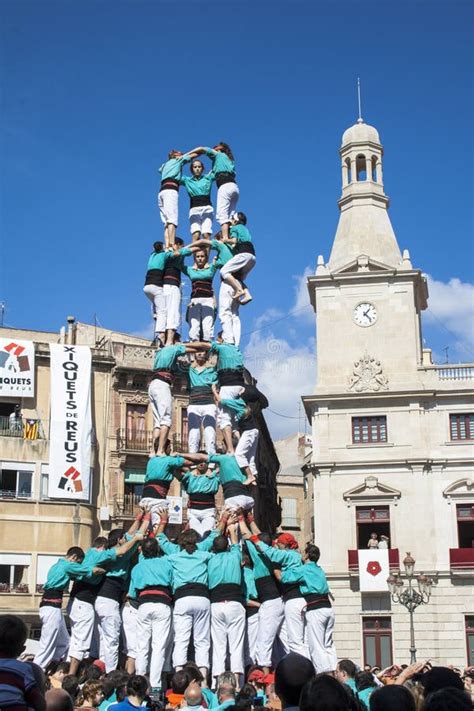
x: 353, y: 560
x: 12, y: 494
x: 23, y: 428
x: 456, y: 373
x: 20, y: 588
x: 461, y: 560
x: 126, y: 507
x: 141, y: 441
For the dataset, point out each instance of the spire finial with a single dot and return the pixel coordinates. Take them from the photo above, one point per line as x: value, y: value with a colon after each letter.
x: 360, y: 119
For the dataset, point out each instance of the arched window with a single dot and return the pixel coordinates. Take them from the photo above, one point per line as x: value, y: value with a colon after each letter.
x: 374, y: 168
x: 348, y: 166
x: 361, y: 168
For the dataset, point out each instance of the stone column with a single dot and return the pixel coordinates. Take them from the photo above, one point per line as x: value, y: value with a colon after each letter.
x: 368, y: 168
x: 345, y: 176
x: 378, y: 171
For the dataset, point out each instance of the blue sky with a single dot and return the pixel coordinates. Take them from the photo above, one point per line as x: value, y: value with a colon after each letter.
x: 95, y: 93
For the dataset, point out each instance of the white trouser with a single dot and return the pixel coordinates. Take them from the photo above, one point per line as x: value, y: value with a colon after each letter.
x: 243, y: 263
x: 270, y: 617
x: 205, y: 416
x: 108, y: 613
x: 226, y: 418
x: 251, y: 637
x: 172, y: 298
x: 239, y: 502
x: 129, y: 630
x: 319, y: 625
x: 227, y: 197
x: 229, y: 314
x: 202, y: 520
x: 153, y: 627
x: 82, y: 617
x: 200, y: 219
x: 168, y: 204
x: 191, y: 614
x: 227, y: 626
x: 54, y: 640
x: 158, y: 309
x: 153, y: 505
x: 161, y: 402
x: 246, y: 450
x: 296, y: 626
x: 201, y: 318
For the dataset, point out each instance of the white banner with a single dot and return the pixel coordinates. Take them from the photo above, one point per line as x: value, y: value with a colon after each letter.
x: 175, y: 509
x: 71, y: 425
x: 373, y: 570
x: 17, y: 368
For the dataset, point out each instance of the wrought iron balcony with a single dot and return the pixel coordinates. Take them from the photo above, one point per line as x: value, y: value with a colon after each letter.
x: 23, y: 428
x: 141, y: 441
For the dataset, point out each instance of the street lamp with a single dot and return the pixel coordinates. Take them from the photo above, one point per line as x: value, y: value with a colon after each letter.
x: 409, y: 597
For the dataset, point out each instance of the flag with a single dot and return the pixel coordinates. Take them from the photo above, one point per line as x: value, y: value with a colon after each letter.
x: 373, y: 570
x: 31, y: 429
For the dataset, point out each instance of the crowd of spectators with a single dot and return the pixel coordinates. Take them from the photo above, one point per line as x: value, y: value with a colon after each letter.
x: 294, y: 686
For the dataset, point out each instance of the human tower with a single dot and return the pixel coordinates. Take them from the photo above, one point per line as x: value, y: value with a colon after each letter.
x: 241, y: 596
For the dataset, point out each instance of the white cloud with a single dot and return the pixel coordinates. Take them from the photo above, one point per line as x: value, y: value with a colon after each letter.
x: 302, y: 306
x: 451, y: 306
x: 284, y: 371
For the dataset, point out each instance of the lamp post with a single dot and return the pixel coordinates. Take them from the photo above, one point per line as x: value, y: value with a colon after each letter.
x: 409, y: 596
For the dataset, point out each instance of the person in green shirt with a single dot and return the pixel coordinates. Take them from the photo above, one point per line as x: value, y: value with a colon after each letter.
x: 165, y: 367
x: 201, y: 211
x: 202, y: 411
x: 168, y: 195
x: 201, y: 484
x: 244, y: 260
x: 223, y: 169
x: 54, y: 640
x: 227, y: 603
x: 201, y: 308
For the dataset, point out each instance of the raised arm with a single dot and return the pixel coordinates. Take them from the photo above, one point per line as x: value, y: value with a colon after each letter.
x: 194, y: 457
x: 199, y: 150
x: 253, y: 526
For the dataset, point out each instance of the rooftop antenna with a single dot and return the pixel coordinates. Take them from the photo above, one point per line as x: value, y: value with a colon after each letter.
x: 446, y: 350
x: 360, y: 119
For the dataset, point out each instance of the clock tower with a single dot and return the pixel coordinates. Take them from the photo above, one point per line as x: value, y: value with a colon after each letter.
x: 367, y: 298
x: 393, y: 435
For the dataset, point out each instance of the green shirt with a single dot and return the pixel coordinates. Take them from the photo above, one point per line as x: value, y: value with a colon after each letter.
x: 148, y: 572
x: 228, y: 356
x: 197, y: 274
x: 221, y: 163
x: 287, y: 558
x: 200, y: 378
x: 238, y: 406
x: 250, y: 589
x: 197, y: 187
x: 225, y: 568
x: 172, y: 168
x: 165, y: 358
x: 63, y: 571
x: 240, y: 233
x: 229, y: 470
x: 162, y: 468
x: 311, y: 577
x: 189, y: 568
x: 262, y: 567
x: 200, y: 484
x: 224, y: 252
x: 98, y: 559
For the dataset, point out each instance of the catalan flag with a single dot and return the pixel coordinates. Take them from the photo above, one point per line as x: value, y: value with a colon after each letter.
x: 31, y: 429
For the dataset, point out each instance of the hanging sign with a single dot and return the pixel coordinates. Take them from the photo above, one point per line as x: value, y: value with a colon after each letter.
x: 71, y: 424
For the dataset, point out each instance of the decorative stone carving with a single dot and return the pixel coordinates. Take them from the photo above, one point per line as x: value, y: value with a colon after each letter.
x: 372, y: 491
x: 367, y: 375
x: 136, y: 398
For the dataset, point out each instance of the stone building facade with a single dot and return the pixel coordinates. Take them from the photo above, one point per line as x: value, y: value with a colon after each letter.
x: 36, y: 529
x: 393, y: 434
x: 293, y: 453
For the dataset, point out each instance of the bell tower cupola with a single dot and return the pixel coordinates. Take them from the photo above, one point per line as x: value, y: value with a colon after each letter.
x: 364, y: 225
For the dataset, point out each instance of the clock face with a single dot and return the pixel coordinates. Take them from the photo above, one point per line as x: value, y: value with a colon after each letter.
x: 365, y: 314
